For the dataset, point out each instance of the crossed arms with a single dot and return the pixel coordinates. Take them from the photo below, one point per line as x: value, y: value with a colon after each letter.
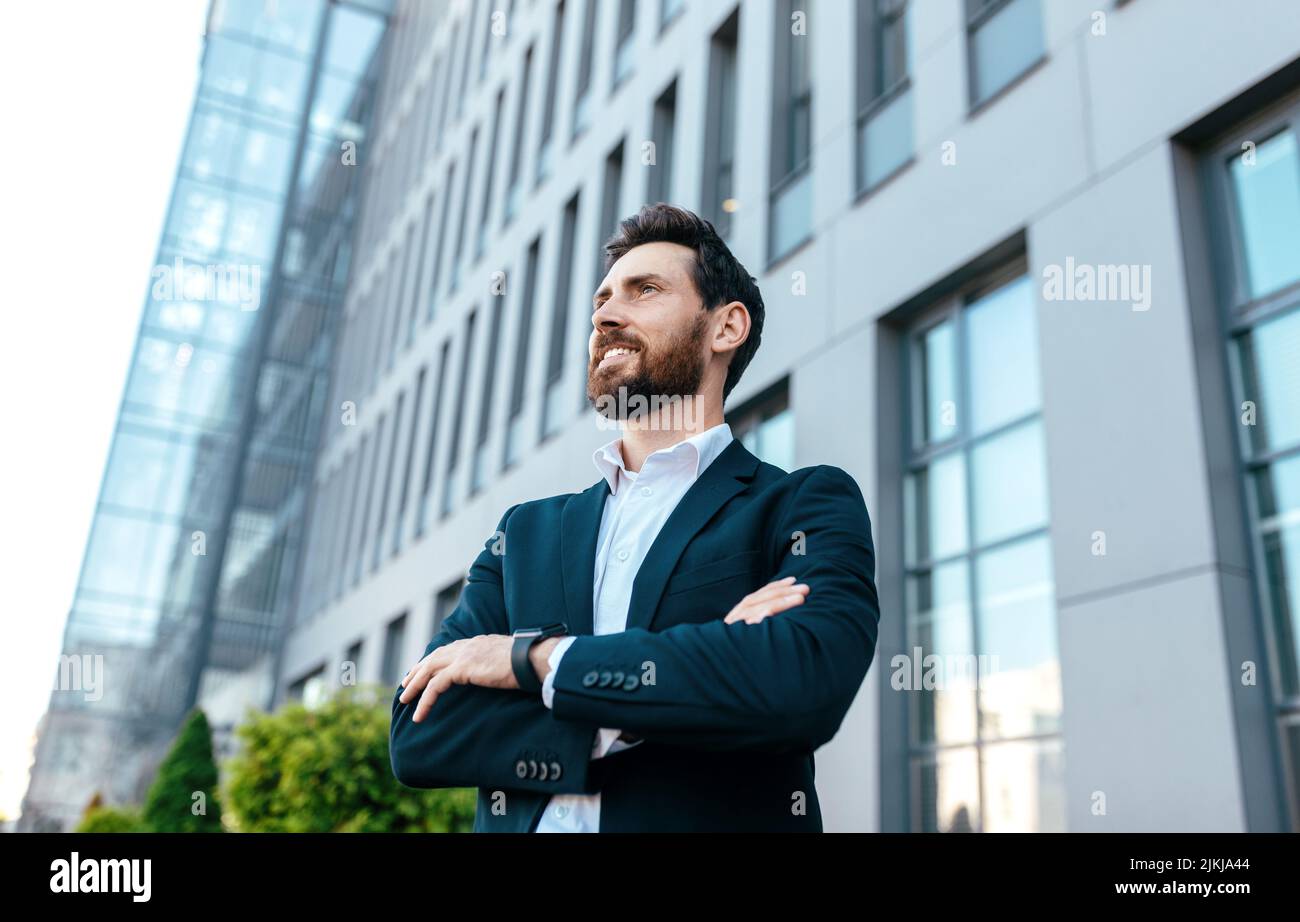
x: 774, y: 684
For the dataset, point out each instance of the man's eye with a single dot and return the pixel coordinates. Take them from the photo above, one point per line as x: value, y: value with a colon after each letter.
x: 649, y: 286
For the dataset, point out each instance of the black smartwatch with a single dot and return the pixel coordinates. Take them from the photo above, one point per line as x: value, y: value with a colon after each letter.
x: 525, y: 637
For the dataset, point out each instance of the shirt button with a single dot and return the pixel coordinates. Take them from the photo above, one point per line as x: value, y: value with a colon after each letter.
x: 645, y: 491
x: 623, y: 555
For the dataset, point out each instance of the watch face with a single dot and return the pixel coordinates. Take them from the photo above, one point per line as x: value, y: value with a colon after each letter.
x: 547, y: 629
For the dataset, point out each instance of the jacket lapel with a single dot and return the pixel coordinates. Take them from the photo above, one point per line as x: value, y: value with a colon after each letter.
x: 721, y: 480
x: 579, y: 529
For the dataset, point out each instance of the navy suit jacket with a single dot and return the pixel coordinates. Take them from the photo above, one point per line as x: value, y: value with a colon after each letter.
x: 730, y: 714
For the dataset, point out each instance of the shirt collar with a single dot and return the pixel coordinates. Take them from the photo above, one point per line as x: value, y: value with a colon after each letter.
x: 701, y: 449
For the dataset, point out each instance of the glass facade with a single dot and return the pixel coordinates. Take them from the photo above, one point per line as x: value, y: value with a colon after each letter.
x: 188, y: 571
x: 984, y: 727
x: 1256, y: 188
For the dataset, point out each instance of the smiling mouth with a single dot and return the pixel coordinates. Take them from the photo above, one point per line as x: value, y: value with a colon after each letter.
x: 617, y: 354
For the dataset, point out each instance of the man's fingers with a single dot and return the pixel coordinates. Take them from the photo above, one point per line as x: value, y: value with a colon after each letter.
x: 773, y: 590
x: 443, y: 680
x: 426, y: 699
x: 755, y: 612
x: 419, y: 675
x: 770, y: 588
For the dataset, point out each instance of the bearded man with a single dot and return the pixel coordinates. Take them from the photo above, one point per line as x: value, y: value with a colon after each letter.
x: 665, y: 650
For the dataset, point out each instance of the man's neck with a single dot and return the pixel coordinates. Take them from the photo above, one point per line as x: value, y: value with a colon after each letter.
x: 643, y: 436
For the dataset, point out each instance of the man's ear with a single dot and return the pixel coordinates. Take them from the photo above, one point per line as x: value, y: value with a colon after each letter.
x: 734, y: 329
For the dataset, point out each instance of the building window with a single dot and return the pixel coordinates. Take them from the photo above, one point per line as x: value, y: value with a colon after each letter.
x: 514, y: 438
x: 478, y: 462
x: 417, y: 278
x: 464, y: 211
x: 445, y: 110
x: 1257, y: 194
x: 552, y: 404
x: 765, y: 426
x: 546, y: 148
x: 378, y: 553
x: 431, y: 452
x: 668, y: 11
x: 984, y: 740
x: 468, y: 31
x: 480, y: 240
x: 403, y: 293
x: 451, y: 488
x: 720, y: 130
x: 311, y: 690
x: 399, y: 517
x: 521, y: 127
x: 1004, y: 39
x: 445, y: 602
x: 355, y: 465
x: 364, y: 524
x: 625, y: 45
x: 790, y: 212
x: 884, y: 91
x: 610, y: 207
x: 486, y: 53
x: 435, y: 266
x: 391, y: 670
x: 582, y: 98
x: 659, y: 186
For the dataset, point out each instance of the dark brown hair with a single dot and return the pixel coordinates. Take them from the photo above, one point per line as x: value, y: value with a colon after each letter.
x: 719, y: 277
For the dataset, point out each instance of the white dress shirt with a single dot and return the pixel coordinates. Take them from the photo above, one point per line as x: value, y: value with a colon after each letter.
x: 636, y: 508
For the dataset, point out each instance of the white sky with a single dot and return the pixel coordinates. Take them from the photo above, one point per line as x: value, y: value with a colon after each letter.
x: 95, y: 100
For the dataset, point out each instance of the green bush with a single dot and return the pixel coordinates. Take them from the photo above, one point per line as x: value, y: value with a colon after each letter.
x: 187, y: 770
x: 327, y: 769
x: 112, y: 819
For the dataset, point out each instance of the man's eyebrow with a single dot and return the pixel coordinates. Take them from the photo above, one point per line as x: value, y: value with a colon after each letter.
x: 632, y: 281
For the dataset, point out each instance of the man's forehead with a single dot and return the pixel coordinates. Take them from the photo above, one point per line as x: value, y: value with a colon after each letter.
x: 669, y: 260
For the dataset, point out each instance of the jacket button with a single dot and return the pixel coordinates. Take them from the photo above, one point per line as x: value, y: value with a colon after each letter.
x: 631, y: 683
x: 590, y: 679
x: 521, y: 769
x: 617, y: 680
x: 545, y: 772
x: 532, y: 769
x: 605, y: 679
x: 555, y: 771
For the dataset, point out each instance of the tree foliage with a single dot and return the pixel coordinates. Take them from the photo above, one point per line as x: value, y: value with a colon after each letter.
x: 327, y: 769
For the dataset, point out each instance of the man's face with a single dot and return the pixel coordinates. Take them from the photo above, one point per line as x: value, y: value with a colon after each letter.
x: 650, y: 329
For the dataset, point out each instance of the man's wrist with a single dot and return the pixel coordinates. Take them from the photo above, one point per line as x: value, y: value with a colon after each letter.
x: 540, y: 653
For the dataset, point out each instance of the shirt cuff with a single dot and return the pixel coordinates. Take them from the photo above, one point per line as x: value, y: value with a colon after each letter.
x: 548, y: 683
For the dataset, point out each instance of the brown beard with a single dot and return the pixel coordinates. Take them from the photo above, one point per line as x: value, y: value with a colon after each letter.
x: 675, y: 369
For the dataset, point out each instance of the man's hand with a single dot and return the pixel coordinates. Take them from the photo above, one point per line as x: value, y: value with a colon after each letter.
x: 776, y: 596
x: 483, y: 660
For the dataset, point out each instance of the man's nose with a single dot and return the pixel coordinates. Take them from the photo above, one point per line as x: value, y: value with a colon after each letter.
x: 609, y: 316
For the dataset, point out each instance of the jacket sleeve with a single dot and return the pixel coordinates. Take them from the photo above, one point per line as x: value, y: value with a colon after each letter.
x: 487, y: 737
x: 781, y: 685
